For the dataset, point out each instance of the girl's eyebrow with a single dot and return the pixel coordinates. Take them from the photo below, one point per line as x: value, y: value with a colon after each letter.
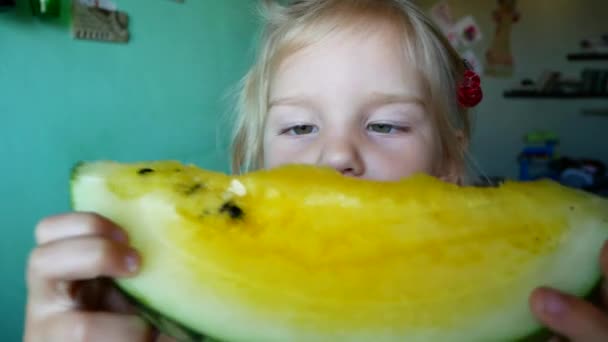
x: 379, y: 99
x: 375, y: 100
x: 298, y: 100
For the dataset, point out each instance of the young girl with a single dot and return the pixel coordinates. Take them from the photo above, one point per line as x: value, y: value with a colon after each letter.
x: 368, y: 87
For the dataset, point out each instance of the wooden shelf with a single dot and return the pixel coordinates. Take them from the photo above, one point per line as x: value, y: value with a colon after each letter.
x: 540, y: 95
x: 534, y: 94
x: 591, y: 56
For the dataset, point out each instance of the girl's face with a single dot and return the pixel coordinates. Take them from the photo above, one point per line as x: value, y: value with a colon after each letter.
x: 353, y: 103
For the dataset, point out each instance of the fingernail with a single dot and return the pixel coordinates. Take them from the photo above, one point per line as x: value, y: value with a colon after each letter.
x: 553, y: 303
x: 119, y: 236
x: 132, y: 262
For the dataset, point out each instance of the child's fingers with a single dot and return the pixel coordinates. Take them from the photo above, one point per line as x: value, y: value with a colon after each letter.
x: 569, y: 316
x: 604, y: 266
x: 165, y: 338
x: 95, y: 327
x: 77, y: 224
x: 77, y: 259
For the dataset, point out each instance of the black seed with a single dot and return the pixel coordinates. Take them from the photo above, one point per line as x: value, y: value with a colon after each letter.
x: 232, y: 209
x: 145, y: 171
x: 191, y: 190
x: 206, y: 213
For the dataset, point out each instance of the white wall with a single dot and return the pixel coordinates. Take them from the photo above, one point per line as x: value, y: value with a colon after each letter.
x: 547, y: 31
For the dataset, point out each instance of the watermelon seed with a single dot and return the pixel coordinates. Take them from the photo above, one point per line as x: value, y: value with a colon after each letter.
x: 191, y: 190
x: 145, y: 171
x: 206, y: 213
x: 233, y: 210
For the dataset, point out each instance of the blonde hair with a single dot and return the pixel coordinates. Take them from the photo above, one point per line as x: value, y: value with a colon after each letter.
x: 292, y: 27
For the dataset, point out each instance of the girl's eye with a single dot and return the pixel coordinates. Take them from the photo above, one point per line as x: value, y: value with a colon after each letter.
x: 301, y: 130
x: 385, y: 128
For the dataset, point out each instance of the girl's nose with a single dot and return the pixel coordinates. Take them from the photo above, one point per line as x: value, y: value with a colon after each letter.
x: 342, y: 154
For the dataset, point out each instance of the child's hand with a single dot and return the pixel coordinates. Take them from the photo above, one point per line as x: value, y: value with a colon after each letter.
x: 67, y: 299
x: 572, y: 317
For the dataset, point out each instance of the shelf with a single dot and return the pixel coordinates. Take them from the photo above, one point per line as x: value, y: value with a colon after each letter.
x: 591, y: 56
x: 539, y: 95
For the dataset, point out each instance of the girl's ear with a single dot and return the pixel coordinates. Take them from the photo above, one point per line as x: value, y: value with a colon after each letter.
x: 453, y: 176
x: 454, y: 170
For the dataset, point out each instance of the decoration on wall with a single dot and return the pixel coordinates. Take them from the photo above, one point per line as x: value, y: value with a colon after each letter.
x: 6, y: 5
x: 468, y: 31
x: 98, y: 23
x: 463, y: 34
x: 499, y: 58
x: 46, y: 8
x: 441, y: 14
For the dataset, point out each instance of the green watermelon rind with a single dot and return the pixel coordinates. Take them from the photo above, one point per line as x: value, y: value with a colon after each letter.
x: 162, y: 322
x: 74, y: 171
x: 183, y: 333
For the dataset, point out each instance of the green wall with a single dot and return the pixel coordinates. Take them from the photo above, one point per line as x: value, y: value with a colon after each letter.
x: 62, y: 100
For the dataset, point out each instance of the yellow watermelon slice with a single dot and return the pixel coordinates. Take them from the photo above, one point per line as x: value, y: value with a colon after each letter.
x: 300, y: 253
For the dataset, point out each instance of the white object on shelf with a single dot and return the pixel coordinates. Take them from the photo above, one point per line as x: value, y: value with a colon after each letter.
x: 104, y: 4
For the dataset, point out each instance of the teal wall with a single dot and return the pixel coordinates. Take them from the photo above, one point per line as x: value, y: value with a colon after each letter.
x: 547, y: 32
x: 63, y: 100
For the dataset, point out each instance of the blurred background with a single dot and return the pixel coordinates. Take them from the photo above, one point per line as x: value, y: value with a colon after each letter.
x: 135, y: 80
x: 545, y: 78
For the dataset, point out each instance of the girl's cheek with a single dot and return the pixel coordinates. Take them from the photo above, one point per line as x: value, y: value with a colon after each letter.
x: 284, y: 150
x: 391, y: 144
x: 401, y: 156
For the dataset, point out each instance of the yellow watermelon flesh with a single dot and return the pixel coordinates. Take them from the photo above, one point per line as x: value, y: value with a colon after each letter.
x: 300, y: 253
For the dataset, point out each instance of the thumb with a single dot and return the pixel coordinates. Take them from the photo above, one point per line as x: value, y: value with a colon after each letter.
x: 569, y: 316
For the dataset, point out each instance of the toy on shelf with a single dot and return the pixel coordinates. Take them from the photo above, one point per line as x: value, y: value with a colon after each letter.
x: 539, y: 160
x: 536, y: 157
x: 596, y: 44
x: 586, y: 174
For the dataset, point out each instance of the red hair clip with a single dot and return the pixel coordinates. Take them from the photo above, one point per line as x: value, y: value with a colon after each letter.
x: 469, y: 90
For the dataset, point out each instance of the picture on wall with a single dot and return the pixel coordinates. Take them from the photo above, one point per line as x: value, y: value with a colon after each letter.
x: 499, y: 57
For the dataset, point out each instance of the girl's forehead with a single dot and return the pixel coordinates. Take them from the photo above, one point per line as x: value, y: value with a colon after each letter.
x: 356, y: 51
x: 348, y: 69
x: 384, y: 41
x: 348, y: 27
